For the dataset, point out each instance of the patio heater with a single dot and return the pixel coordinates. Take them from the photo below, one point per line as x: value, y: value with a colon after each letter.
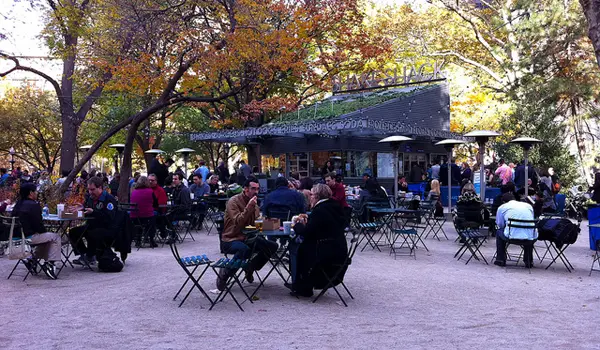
x: 85, y: 149
x: 11, y: 151
x: 185, y: 152
x: 449, y: 146
x: 482, y: 137
x: 396, y: 141
x: 120, y: 148
x: 154, y: 152
x: 526, y: 143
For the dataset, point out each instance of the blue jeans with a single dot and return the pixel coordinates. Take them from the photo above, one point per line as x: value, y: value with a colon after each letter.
x: 501, y: 241
x: 262, y: 248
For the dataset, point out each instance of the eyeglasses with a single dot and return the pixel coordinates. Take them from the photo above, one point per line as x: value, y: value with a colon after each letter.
x: 255, y: 188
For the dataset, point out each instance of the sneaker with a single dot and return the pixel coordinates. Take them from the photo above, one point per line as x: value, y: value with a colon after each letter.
x: 82, y: 261
x: 30, y: 265
x: 500, y: 263
x: 50, y: 270
x: 85, y: 261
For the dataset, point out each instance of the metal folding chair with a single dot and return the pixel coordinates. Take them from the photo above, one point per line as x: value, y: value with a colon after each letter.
x: 407, y: 231
x: 236, y: 268
x: 341, y: 268
x: 470, y: 236
x: 435, y: 223
x: 596, y: 258
x: 13, y: 222
x: 523, y: 243
x: 557, y: 252
x: 190, y: 265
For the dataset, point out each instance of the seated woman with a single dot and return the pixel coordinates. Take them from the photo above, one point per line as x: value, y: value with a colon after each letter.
x: 323, y: 243
x: 434, y: 192
x: 48, y: 244
x: 434, y: 197
x: 469, y: 207
x: 545, y: 193
x: 143, y: 197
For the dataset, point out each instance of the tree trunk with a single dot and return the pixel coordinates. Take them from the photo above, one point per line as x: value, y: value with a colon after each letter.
x: 68, y: 145
x: 126, y: 165
x: 591, y: 9
x: 148, y: 158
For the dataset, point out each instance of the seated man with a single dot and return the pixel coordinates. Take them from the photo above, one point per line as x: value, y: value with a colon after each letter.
x: 199, y: 189
x: 284, y: 198
x: 337, y: 189
x: 513, y: 209
x: 30, y: 215
x: 181, y: 199
x: 160, y: 201
x: 323, y: 243
x: 100, y: 207
x: 242, y: 211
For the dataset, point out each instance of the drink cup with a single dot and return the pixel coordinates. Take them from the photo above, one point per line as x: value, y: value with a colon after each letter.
x: 60, y: 208
x: 287, y: 227
x: 192, y: 196
x: 80, y: 213
x: 259, y: 225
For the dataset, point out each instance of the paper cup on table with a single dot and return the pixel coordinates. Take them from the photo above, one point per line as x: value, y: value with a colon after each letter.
x: 192, y: 196
x: 59, y: 209
x: 80, y: 213
x: 287, y: 227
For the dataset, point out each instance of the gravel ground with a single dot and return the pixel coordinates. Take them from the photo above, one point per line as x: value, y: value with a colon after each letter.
x: 431, y: 302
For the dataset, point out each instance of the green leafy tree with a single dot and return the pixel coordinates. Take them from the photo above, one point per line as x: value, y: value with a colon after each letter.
x: 30, y: 122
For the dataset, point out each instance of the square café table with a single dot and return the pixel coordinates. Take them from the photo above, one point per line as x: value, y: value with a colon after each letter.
x: 278, y: 257
x: 62, y: 225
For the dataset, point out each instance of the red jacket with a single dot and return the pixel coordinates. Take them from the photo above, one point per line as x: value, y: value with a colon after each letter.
x: 339, y: 194
x: 161, y: 199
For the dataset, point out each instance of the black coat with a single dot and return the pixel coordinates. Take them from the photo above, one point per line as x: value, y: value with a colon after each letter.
x: 104, y: 211
x: 324, y: 244
x: 223, y: 174
x: 455, y: 174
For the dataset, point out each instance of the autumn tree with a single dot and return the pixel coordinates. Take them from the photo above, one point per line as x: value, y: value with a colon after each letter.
x: 509, y: 59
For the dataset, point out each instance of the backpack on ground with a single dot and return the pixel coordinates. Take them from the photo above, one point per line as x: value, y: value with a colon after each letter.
x: 109, y: 262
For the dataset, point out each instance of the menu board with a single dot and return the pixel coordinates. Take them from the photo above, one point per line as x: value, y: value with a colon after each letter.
x: 385, y: 165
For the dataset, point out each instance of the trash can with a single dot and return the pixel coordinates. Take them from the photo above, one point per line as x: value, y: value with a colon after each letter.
x: 594, y: 218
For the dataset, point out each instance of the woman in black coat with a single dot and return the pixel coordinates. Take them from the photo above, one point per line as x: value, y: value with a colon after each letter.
x: 323, y: 243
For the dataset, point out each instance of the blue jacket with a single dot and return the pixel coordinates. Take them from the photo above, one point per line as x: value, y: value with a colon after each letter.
x: 202, y: 171
x: 284, y: 197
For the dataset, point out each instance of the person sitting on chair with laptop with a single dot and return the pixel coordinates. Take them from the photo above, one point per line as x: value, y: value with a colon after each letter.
x: 513, y: 209
x: 29, y: 212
